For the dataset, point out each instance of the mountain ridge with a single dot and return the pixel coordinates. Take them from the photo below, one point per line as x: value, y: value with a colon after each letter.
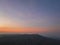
x: 27, y: 39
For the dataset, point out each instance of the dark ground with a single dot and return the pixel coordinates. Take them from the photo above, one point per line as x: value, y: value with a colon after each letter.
x: 27, y: 39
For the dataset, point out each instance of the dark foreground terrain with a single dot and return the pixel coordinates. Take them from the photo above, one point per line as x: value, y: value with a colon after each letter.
x: 27, y: 39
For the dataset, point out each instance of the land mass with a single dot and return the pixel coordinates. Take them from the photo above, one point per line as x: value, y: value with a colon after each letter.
x: 27, y: 39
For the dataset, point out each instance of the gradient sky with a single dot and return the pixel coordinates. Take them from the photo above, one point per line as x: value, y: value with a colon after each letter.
x: 30, y: 16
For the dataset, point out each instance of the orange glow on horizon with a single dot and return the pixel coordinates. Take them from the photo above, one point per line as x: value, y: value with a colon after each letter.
x: 23, y: 30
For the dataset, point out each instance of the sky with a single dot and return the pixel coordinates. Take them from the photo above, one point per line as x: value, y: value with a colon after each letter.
x: 30, y: 16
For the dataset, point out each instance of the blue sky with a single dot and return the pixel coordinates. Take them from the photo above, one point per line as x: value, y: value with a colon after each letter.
x: 34, y: 11
x: 30, y: 13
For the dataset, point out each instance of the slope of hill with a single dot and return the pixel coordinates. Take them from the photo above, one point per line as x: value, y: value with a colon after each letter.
x: 27, y: 39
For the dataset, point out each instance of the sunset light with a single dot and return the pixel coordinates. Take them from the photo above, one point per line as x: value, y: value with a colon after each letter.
x: 29, y: 16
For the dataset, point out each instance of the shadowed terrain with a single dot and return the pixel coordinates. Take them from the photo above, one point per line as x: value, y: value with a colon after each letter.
x: 26, y: 39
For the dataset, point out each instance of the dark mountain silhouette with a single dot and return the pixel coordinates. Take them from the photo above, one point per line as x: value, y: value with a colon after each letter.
x: 27, y: 39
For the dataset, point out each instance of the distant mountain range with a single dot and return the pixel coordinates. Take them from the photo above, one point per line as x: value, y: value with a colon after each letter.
x: 27, y: 39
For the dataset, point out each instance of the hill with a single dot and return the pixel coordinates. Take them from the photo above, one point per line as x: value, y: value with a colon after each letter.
x: 27, y: 39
